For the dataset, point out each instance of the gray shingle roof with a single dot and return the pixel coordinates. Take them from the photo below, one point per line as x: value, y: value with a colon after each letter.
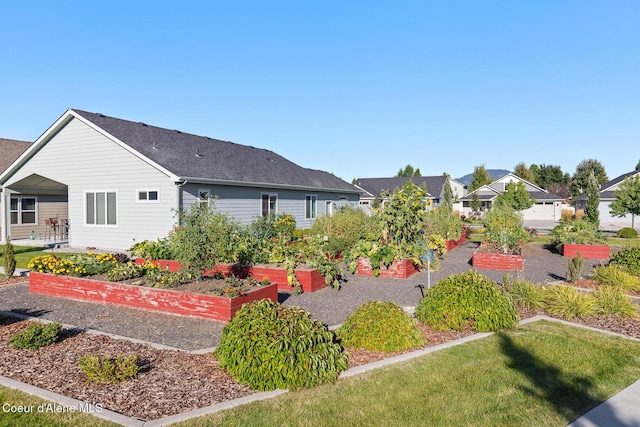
x: 376, y: 186
x: 605, y: 189
x: 11, y: 149
x: 203, y: 158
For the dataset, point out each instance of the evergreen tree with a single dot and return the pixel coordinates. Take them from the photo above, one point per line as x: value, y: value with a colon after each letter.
x: 475, y: 203
x: 627, y: 199
x: 521, y: 170
x: 9, y: 259
x: 447, y: 197
x: 408, y: 172
x: 515, y: 196
x: 593, y: 200
x: 580, y: 179
x: 479, y: 177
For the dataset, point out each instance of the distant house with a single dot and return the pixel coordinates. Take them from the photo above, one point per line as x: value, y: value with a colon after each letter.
x: 118, y: 182
x: 373, y: 188
x: 608, y: 195
x: 547, y: 206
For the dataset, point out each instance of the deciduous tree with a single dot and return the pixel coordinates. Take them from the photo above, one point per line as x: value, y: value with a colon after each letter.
x: 627, y: 199
x: 580, y: 179
x: 521, y: 170
x: 515, y: 196
x: 479, y: 177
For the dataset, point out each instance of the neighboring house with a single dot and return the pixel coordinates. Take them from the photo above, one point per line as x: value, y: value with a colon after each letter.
x: 10, y: 150
x: 372, y: 189
x: 608, y: 195
x: 119, y: 182
x: 548, y: 206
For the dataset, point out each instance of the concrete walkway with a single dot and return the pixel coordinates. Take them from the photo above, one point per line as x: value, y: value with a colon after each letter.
x: 621, y: 410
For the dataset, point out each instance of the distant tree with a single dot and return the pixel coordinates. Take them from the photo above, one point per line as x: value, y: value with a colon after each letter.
x: 408, y: 171
x: 521, y: 170
x: 580, y: 179
x: 515, y: 196
x: 447, y: 197
x: 591, y: 211
x: 534, y: 169
x: 638, y: 166
x: 627, y: 199
x: 479, y: 177
x: 475, y: 203
x: 552, y: 179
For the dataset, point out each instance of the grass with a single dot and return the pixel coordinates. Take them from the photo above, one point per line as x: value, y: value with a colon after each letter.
x: 541, y: 374
x: 24, y: 254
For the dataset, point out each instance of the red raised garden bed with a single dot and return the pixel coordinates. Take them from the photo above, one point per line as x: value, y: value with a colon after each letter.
x: 161, y: 300
x: 399, y: 269
x: 493, y: 261
x: 586, y: 251
x: 310, y: 279
x: 452, y: 244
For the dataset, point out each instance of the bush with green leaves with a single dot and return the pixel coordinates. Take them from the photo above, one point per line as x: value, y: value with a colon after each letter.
x: 467, y: 300
x: 577, y: 231
x: 524, y: 293
x: 268, y: 347
x: 627, y: 233
x: 93, y: 263
x: 126, y: 271
x: 344, y: 228
x: 380, y: 326
x: 612, y: 275
x: 153, y: 250
x: 100, y: 369
x: 628, y: 260
x: 505, y: 229
x: 569, y: 303
x: 575, y: 266
x: 613, y: 301
x: 9, y: 258
x: 36, y: 336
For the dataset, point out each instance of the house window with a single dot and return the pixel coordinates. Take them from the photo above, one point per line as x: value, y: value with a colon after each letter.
x: 269, y: 202
x: 23, y: 210
x: 310, y: 208
x: 148, y: 195
x: 101, y: 208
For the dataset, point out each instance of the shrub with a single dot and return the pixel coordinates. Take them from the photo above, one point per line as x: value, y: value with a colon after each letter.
x: 9, y: 259
x: 628, y: 260
x: 566, y: 214
x: 612, y: 275
x: 380, y: 326
x: 159, y: 277
x: 126, y: 271
x: 578, y: 231
x: 346, y: 226
x: 579, y: 214
x: 36, y: 336
x: 160, y: 249
x: 575, y: 267
x: 627, y: 233
x: 268, y: 346
x: 568, y: 303
x: 612, y: 301
x: 505, y: 229
x: 524, y: 294
x: 92, y: 263
x: 100, y: 369
x: 467, y: 300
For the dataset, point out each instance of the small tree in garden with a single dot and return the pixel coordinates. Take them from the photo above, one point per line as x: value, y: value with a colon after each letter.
x: 447, y: 197
x: 204, y: 238
x: 475, y: 202
x: 574, y: 268
x: 627, y: 199
x: 9, y: 259
x: 593, y: 200
x: 403, y: 215
x: 505, y: 229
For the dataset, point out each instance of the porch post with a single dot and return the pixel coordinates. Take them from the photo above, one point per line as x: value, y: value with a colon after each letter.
x: 3, y: 214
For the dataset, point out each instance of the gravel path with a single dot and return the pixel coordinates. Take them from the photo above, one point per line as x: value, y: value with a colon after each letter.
x: 328, y: 305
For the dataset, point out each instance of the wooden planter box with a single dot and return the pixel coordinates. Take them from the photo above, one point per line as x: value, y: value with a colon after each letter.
x: 452, y: 244
x: 160, y: 300
x: 399, y: 269
x: 586, y: 251
x: 494, y: 261
x: 310, y: 279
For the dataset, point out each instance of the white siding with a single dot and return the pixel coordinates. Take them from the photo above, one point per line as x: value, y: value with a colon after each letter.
x: 85, y: 160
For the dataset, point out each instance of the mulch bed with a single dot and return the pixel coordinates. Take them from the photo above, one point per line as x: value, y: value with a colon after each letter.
x: 171, y: 382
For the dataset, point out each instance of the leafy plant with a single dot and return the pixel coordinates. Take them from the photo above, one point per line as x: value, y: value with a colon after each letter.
x: 268, y: 346
x: 612, y: 275
x: 54, y: 265
x: 403, y: 214
x: 524, y: 294
x: 613, y: 301
x: 36, y: 336
x: 127, y: 271
x: 380, y: 326
x: 467, y: 300
x: 575, y: 267
x: 344, y: 228
x: 99, y: 369
x: 284, y: 225
x: 92, y: 263
x: 157, y: 277
x: 9, y: 258
x: 627, y: 233
x: 628, y: 260
x: 505, y: 229
x: 577, y: 231
x: 568, y: 303
x: 160, y: 249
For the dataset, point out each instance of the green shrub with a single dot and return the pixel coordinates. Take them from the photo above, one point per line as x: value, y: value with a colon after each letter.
x: 9, y: 259
x: 627, y: 233
x: 467, y: 300
x: 628, y: 260
x: 100, y: 369
x: 578, y: 231
x: 126, y: 271
x: 380, y: 326
x: 613, y: 301
x: 36, y: 336
x: 568, y: 303
x: 160, y: 249
x: 612, y: 275
x: 92, y: 263
x: 344, y: 228
x: 524, y: 294
x: 575, y: 267
x: 268, y: 346
x: 505, y: 229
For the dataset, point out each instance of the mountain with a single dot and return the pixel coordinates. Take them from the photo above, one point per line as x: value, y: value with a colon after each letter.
x: 493, y: 173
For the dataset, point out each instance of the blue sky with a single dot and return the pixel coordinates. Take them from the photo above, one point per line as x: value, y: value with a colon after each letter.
x: 356, y: 88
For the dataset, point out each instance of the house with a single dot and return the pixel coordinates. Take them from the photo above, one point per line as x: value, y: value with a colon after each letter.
x: 11, y: 149
x: 373, y: 188
x: 118, y: 182
x: 608, y: 195
x: 547, y: 206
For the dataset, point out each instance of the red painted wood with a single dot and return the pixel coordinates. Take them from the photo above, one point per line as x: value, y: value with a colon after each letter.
x: 452, y: 244
x: 161, y: 300
x: 586, y: 251
x: 497, y: 261
x: 399, y: 269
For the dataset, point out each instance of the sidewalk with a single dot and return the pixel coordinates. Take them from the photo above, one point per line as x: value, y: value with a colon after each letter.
x: 18, y: 272
x: 620, y: 410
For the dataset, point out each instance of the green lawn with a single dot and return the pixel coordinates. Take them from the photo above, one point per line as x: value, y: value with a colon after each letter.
x: 25, y: 253
x: 542, y: 374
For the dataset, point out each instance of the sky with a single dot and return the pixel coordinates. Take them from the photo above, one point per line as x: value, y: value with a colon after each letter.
x: 356, y: 88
